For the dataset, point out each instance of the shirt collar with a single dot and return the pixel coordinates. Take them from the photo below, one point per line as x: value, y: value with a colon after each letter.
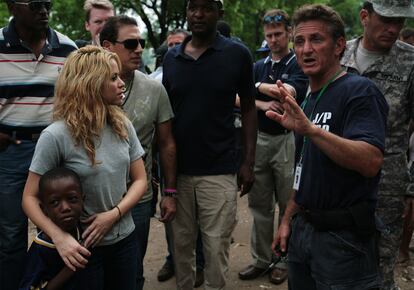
x: 12, y: 38
x: 285, y: 60
x: 218, y: 45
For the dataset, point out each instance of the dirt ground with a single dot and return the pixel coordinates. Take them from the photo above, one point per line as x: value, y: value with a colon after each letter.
x: 239, y: 258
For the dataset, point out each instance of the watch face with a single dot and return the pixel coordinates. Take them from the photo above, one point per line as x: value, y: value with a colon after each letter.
x: 257, y: 84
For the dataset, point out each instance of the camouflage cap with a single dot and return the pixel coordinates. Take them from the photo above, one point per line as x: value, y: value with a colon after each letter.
x: 393, y: 8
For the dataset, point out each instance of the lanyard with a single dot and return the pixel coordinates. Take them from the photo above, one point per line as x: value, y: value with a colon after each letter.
x: 305, y: 102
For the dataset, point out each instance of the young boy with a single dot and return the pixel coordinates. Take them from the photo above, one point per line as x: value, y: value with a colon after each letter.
x: 61, y: 198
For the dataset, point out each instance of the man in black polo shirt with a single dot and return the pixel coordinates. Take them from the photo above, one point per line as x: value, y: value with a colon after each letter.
x: 339, y: 153
x: 275, y: 149
x: 202, y: 77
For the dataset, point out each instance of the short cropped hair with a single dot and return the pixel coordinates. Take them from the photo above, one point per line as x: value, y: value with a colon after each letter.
x: 323, y: 13
x: 56, y: 174
x: 111, y: 28
x: 178, y: 31
x: 96, y: 4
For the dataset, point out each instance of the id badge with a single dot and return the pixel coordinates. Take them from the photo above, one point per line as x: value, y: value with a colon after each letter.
x: 298, y: 173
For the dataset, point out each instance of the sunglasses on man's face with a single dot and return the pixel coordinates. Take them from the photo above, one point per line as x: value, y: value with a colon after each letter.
x: 132, y: 43
x: 36, y: 5
x: 273, y: 19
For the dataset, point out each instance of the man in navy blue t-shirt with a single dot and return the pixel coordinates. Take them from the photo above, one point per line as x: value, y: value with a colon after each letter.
x: 339, y: 153
x: 202, y: 76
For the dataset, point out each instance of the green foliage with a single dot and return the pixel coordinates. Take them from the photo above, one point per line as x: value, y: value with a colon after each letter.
x: 68, y: 17
x: 159, y: 16
x: 4, y: 14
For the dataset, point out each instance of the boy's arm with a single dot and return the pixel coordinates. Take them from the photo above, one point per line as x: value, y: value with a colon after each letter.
x: 60, y: 279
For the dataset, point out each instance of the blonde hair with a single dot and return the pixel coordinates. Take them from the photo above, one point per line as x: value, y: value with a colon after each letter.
x: 79, y: 101
x: 97, y: 4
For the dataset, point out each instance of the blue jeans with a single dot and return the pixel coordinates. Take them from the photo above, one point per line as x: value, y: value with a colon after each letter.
x: 141, y: 214
x: 14, y: 165
x: 113, y: 266
x: 331, y: 260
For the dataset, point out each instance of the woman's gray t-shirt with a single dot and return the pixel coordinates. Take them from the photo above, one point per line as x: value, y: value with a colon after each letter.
x: 104, y: 184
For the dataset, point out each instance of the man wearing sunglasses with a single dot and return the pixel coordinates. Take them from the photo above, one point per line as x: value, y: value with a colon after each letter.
x: 31, y: 56
x: 275, y: 147
x: 389, y: 63
x: 147, y: 106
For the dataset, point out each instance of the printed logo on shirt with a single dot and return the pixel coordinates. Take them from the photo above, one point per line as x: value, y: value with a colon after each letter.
x: 321, y: 120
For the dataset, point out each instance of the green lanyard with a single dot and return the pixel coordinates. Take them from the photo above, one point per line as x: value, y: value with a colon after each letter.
x: 305, y: 102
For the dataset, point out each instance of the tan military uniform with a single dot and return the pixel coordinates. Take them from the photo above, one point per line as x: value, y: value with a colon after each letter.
x: 393, y: 73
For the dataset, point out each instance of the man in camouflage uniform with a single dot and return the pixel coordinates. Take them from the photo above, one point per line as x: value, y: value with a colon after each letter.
x: 378, y: 55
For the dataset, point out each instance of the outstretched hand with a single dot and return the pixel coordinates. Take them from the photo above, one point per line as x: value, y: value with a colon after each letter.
x: 293, y: 118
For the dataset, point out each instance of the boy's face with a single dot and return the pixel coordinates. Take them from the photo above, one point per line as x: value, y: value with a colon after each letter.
x: 62, y: 202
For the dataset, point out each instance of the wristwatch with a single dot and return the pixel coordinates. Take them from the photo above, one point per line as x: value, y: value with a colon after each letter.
x: 257, y: 85
x: 170, y: 193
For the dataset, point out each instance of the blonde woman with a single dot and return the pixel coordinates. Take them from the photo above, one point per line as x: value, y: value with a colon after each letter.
x: 92, y: 136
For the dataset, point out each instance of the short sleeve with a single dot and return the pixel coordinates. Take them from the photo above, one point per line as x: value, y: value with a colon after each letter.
x: 366, y: 117
x: 135, y: 149
x: 47, y: 154
x: 165, y: 111
x: 246, y: 86
x: 35, y: 269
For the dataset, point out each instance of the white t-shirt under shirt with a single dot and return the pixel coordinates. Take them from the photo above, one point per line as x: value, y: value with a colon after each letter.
x: 364, y: 58
x: 104, y: 184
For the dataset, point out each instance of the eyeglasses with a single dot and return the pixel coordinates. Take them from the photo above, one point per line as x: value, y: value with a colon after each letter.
x: 275, y: 19
x: 36, y: 5
x: 132, y: 43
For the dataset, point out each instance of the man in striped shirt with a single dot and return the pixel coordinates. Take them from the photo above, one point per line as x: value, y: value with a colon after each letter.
x: 31, y: 56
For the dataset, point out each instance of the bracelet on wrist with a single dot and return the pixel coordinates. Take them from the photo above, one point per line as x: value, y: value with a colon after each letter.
x: 172, y: 190
x: 119, y: 212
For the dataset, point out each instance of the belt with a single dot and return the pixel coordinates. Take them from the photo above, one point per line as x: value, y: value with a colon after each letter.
x: 329, y: 220
x: 31, y: 134
x: 360, y: 218
x: 282, y: 132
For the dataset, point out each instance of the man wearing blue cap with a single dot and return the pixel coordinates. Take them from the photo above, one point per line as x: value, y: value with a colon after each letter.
x: 389, y: 63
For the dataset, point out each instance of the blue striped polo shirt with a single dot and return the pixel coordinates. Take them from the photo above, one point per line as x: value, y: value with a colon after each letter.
x: 27, y: 82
